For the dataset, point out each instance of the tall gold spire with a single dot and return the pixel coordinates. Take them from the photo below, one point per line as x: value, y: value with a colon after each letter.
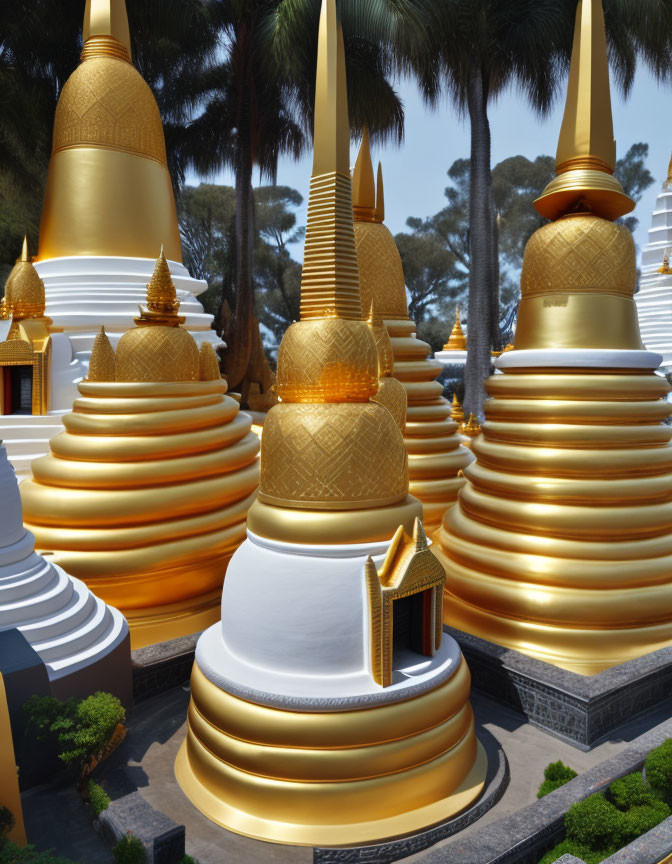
x: 586, y: 154
x: 162, y: 302
x: 24, y: 250
x: 107, y: 18
x: 457, y: 340
x: 363, y: 184
x: 330, y: 282
x: 380, y: 196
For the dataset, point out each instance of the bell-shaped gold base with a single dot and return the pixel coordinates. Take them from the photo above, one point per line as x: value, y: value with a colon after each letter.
x: 331, y: 778
x: 144, y: 497
x: 560, y: 543
x: 435, y: 452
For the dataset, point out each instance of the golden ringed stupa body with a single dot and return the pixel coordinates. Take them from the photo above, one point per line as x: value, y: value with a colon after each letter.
x: 144, y: 496
x: 327, y: 706
x: 435, y: 452
x: 560, y: 544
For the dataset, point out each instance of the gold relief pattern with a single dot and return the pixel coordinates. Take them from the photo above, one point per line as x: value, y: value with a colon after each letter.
x: 391, y: 395
x: 106, y: 103
x: 208, y: 363
x: 157, y: 354
x: 381, y: 273
x: 581, y: 253
x: 24, y: 291
x: 327, y: 360
x: 101, y: 364
x: 333, y: 456
x: 409, y: 568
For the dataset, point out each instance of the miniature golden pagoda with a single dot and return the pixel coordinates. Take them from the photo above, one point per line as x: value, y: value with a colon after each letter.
x: 560, y: 544
x: 435, y: 452
x: 457, y: 340
x: 144, y: 496
x: 457, y: 411
x: 108, y: 154
x: 328, y: 706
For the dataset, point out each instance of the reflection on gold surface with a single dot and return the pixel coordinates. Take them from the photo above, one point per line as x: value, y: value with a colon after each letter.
x: 335, y: 777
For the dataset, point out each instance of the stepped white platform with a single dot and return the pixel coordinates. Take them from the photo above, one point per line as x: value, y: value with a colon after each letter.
x: 83, y: 643
x: 654, y: 300
x: 83, y: 294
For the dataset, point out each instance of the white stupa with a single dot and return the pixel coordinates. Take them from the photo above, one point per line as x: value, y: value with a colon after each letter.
x: 109, y: 209
x: 83, y: 643
x: 654, y: 300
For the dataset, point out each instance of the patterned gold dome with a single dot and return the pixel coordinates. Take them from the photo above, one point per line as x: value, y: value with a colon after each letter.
x: 24, y: 290
x: 580, y: 253
x: 157, y: 354
x: 327, y: 360
x: 106, y: 103
x: 381, y: 275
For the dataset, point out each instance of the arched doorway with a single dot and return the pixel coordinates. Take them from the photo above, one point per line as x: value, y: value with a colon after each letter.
x: 17, y: 389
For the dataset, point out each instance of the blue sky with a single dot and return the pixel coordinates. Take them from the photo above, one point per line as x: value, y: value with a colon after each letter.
x: 415, y: 173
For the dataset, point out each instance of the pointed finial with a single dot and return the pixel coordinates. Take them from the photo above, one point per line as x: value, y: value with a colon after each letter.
x: 330, y: 278
x: 457, y: 340
x: 419, y: 536
x: 668, y: 181
x: 106, y: 18
x: 472, y: 427
x: 101, y: 364
x: 24, y: 250
x: 456, y: 411
x: 586, y: 154
x: 665, y: 269
x: 363, y: 184
x: 332, y: 125
x: 380, y: 196
x: 162, y: 302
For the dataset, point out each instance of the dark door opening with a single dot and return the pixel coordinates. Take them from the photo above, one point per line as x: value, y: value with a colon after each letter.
x: 412, y: 624
x: 17, y: 384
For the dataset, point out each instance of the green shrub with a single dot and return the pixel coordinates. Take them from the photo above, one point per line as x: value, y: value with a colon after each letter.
x: 659, y: 768
x: 10, y: 853
x: 555, y: 775
x: 7, y: 822
x: 130, y: 850
x: 99, y: 800
x: 640, y: 819
x: 632, y: 791
x: 188, y: 860
x: 83, y: 728
x: 571, y: 847
x: 596, y: 823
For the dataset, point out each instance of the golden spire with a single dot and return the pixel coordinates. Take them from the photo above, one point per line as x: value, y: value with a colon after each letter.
x: 668, y: 181
x: 472, y: 427
x: 106, y: 20
x: 101, y: 364
x: 586, y: 154
x: 162, y: 302
x: 330, y: 281
x: 24, y: 250
x: 456, y: 410
x: 380, y: 196
x: 457, y: 340
x: 24, y: 290
x: 363, y: 184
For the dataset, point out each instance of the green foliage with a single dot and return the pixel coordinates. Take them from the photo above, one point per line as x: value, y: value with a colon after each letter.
x: 99, y: 800
x: 7, y: 822
x: 188, y: 860
x: 571, y: 847
x: 638, y: 820
x: 632, y: 791
x: 129, y: 850
x: 659, y: 768
x: 10, y: 853
x: 555, y: 775
x: 83, y: 728
x: 596, y: 823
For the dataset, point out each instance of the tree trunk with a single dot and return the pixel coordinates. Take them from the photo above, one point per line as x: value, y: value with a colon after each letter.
x: 496, y: 339
x: 480, y: 324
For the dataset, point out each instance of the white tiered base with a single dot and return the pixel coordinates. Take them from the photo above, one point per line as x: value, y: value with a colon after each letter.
x: 82, y: 295
x: 654, y: 299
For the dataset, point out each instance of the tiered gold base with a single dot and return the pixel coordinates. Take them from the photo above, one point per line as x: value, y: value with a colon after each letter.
x: 335, y: 779
x: 560, y: 545
x: 162, y: 623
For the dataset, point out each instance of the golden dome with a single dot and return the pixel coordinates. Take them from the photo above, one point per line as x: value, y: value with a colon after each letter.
x: 381, y: 275
x: 157, y: 354
x: 336, y: 456
x: 101, y: 364
x: 580, y: 253
x: 327, y: 360
x: 24, y: 290
x: 106, y: 103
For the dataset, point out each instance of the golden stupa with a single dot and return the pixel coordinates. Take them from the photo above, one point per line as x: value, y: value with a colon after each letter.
x: 144, y: 496
x: 435, y: 452
x: 108, y: 154
x: 457, y: 341
x: 560, y: 543
x: 308, y: 724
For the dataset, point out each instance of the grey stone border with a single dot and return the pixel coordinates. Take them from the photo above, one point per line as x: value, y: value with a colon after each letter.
x: 497, y: 779
x: 523, y: 837
x: 581, y: 710
x: 162, y: 667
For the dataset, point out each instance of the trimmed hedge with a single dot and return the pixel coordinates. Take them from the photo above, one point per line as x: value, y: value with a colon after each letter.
x: 129, y: 850
x: 571, y: 847
x: 659, y: 769
x: 10, y: 853
x: 632, y: 791
x: 555, y: 775
x: 99, y: 800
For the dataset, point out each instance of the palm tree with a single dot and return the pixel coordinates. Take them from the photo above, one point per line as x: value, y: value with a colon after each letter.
x: 259, y: 107
x: 477, y: 49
